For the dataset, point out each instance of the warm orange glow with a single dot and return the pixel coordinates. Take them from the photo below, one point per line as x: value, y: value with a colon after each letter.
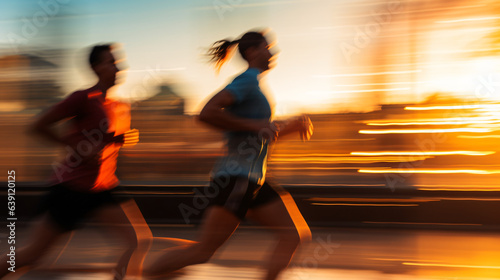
x: 459, y: 189
x: 451, y: 265
x: 315, y: 168
x: 337, y: 185
x: 468, y: 19
x: 347, y: 159
x: 466, y: 188
x: 430, y: 171
x: 343, y: 140
x: 368, y: 74
x: 443, y: 121
x: 470, y: 198
x: 391, y: 259
x: 423, y: 153
x: 380, y: 84
x: 416, y: 131
x: 371, y: 90
x: 452, y: 107
x: 478, y: 137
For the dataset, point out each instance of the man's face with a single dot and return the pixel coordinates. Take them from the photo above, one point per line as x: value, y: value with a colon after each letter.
x: 106, y: 69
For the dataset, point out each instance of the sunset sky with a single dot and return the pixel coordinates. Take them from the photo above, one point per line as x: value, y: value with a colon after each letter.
x: 333, y: 55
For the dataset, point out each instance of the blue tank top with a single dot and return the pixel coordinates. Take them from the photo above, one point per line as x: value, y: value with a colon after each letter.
x: 246, y: 153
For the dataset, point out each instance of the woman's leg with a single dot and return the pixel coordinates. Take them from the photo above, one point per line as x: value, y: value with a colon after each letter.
x: 218, y: 225
x: 126, y: 220
x: 285, y: 219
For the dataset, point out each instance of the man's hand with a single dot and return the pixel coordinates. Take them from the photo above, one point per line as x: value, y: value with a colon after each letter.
x: 128, y: 139
x: 131, y: 138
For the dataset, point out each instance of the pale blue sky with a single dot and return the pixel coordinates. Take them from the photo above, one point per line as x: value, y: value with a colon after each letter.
x: 166, y: 39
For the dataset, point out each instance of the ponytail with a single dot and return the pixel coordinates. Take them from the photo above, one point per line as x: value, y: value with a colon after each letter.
x: 219, y: 53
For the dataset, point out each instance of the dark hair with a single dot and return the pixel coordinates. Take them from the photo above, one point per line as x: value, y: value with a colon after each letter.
x: 219, y: 51
x: 95, y: 53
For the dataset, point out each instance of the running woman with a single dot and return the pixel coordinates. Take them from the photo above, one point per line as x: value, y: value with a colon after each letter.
x: 83, y: 182
x: 238, y: 179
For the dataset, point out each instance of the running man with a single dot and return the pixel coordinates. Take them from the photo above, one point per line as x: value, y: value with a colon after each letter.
x: 83, y: 182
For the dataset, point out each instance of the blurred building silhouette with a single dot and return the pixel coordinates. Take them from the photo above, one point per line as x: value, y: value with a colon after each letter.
x: 28, y: 81
x: 166, y: 102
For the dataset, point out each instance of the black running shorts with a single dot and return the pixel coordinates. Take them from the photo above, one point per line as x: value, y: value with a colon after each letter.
x: 238, y: 194
x: 68, y: 208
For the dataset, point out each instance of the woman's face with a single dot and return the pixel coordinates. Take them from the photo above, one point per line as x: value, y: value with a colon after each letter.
x: 261, y: 56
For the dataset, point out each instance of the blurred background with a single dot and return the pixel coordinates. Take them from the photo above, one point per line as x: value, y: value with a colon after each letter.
x: 404, y: 97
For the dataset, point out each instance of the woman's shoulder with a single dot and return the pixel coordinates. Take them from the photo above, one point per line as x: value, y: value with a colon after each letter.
x: 250, y: 76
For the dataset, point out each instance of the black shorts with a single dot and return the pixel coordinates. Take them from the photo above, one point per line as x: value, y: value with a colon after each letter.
x: 238, y: 194
x: 68, y: 208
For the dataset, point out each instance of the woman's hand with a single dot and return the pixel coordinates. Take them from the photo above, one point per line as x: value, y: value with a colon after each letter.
x: 306, y: 128
x: 268, y: 130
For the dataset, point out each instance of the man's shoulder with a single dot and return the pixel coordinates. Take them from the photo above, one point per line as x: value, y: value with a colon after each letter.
x: 85, y: 94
